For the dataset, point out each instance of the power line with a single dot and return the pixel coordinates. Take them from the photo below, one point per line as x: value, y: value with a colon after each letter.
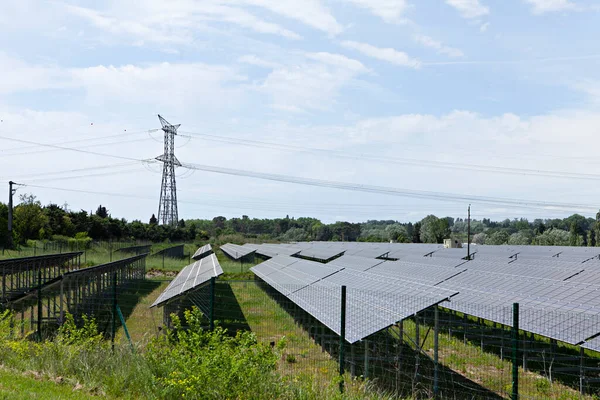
x: 356, y: 187
x: 398, y: 160
x: 69, y: 171
x: 282, y: 207
x: 70, y: 149
x: 392, y: 191
x: 79, y: 140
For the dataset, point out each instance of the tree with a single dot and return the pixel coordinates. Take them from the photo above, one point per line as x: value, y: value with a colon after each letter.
x: 434, y: 229
x: 479, y: 238
x: 429, y: 228
x: 416, y: 234
x: 294, y: 235
x: 3, y: 225
x: 153, y: 220
x: 520, y: 238
x: 102, y: 212
x: 497, y: 238
x: 553, y: 237
x: 396, y: 232
x: 29, y: 219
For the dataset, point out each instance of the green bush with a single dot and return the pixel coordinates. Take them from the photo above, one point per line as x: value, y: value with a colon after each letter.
x: 199, y: 364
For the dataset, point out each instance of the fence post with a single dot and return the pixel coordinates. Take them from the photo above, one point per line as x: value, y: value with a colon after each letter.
x: 211, y: 309
x: 114, y: 311
x: 581, y: 372
x: 515, y: 353
x: 342, y: 337
x: 436, y: 323
x: 39, y: 305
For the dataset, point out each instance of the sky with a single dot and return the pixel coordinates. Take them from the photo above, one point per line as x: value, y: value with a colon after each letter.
x: 381, y: 109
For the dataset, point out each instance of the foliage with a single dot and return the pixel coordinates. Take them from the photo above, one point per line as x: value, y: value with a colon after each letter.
x: 87, y: 334
x: 195, y: 363
x: 35, y: 222
x: 434, y: 229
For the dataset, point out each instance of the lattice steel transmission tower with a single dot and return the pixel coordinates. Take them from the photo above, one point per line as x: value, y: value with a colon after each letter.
x: 167, y: 206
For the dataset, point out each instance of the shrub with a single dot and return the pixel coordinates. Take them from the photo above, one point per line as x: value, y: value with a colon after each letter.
x: 195, y: 363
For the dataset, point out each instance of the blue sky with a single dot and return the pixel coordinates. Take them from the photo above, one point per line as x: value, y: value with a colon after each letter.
x: 394, y: 93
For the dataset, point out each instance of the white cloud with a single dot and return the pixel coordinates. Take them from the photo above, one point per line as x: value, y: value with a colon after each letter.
x: 390, y: 55
x: 469, y: 8
x: 257, y: 61
x: 19, y: 76
x: 389, y: 10
x: 484, y: 27
x: 176, y: 22
x: 313, y: 84
x: 309, y: 12
x: 168, y: 85
x: 437, y: 45
x: 544, y: 6
x: 179, y: 21
x: 164, y: 83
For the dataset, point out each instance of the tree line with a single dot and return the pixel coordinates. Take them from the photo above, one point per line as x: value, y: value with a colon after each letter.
x: 34, y: 221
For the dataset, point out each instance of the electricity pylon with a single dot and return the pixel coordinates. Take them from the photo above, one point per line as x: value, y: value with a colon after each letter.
x: 167, y: 206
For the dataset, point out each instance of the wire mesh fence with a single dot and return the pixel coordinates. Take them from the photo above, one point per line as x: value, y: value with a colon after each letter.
x: 446, y: 350
x: 435, y: 352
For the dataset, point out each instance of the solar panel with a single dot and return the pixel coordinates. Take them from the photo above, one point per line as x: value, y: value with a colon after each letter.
x: 482, y: 292
x: 355, y: 262
x: 235, y: 251
x: 427, y: 274
x: 271, y: 250
x: 369, y: 252
x: 592, y: 344
x: 367, y: 310
x: 273, y: 264
x: 190, y: 278
x: 439, y: 261
x: 523, y: 269
x: 321, y: 253
x: 202, y: 252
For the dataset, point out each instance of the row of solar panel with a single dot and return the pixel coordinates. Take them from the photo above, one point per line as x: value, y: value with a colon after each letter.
x: 192, y: 276
x: 551, y: 296
x: 325, y: 251
x: 374, y: 301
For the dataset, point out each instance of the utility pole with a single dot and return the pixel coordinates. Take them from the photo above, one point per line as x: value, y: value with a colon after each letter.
x: 469, y: 233
x: 11, y: 192
x: 167, y: 206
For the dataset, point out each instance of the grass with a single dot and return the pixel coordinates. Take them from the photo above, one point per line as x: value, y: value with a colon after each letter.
x: 19, y: 386
x: 488, y: 369
x: 143, y: 321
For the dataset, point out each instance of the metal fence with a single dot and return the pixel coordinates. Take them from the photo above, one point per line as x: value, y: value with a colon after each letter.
x: 437, y: 352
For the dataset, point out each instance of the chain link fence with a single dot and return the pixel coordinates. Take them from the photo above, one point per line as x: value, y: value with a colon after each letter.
x: 438, y: 352
x: 443, y: 351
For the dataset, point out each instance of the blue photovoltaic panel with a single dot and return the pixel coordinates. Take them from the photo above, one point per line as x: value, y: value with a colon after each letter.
x: 428, y: 274
x: 235, y: 251
x: 321, y: 253
x: 355, y: 262
x: 191, y: 277
x: 373, y: 302
x: 202, y: 252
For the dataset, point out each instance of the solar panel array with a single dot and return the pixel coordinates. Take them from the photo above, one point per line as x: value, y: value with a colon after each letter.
x: 189, y: 278
x: 202, y: 252
x: 376, y: 301
x: 324, y: 254
x: 236, y: 251
x: 558, y: 288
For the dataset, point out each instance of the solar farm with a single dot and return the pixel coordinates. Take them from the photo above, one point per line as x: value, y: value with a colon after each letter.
x: 413, y: 320
x: 398, y: 313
